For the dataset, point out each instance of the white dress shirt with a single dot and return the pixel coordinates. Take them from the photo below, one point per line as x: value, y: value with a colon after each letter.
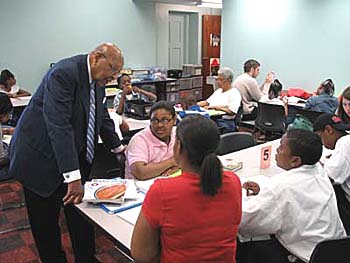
x: 337, y: 166
x: 298, y: 206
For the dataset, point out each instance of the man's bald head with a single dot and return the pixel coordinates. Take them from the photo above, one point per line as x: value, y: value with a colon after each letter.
x: 106, y: 61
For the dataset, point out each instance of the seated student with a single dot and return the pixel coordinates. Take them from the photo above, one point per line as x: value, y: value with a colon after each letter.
x: 226, y: 98
x: 274, y: 92
x: 129, y: 92
x: 193, y: 217
x: 298, y: 206
x: 344, y: 106
x: 5, y: 109
x: 8, y: 85
x: 189, y: 103
x: 150, y: 151
x: 323, y: 101
x: 334, y: 136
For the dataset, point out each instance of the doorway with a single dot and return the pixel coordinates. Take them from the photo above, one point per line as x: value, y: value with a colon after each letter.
x: 183, y: 39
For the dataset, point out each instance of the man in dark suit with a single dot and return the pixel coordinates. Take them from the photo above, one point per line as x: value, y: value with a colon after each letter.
x: 53, y: 148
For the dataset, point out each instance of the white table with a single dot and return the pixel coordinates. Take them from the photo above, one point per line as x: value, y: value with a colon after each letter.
x: 121, y: 230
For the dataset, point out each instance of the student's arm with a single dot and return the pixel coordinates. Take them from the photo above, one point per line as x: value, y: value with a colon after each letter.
x: 22, y: 93
x: 124, y: 127
x: 148, y: 94
x: 223, y: 108
x: 203, y: 103
x: 254, y: 91
x: 119, y: 102
x: 145, y: 241
x: 145, y: 245
x: 261, y: 214
x: 144, y: 171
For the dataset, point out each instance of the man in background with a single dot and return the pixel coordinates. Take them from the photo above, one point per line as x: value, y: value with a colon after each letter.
x: 249, y: 88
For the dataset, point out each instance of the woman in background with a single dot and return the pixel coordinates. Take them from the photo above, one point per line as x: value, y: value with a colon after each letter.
x: 8, y: 85
x: 193, y: 217
x: 344, y: 106
x: 324, y: 101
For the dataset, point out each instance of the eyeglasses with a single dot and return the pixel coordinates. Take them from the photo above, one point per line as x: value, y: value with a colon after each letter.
x: 163, y: 121
x: 109, y: 63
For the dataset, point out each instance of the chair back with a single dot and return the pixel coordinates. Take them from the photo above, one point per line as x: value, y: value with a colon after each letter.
x: 270, y: 117
x: 311, y: 115
x: 234, y: 141
x: 332, y: 250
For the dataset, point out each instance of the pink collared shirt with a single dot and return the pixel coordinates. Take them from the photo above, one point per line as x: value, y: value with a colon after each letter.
x: 145, y: 147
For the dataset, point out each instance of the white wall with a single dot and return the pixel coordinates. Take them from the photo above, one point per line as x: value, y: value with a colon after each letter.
x: 303, y: 41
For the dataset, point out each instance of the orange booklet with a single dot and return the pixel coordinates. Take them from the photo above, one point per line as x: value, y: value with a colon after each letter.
x: 109, y: 190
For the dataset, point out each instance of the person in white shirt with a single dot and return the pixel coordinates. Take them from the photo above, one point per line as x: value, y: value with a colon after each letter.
x: 337, y: 166
x: 249, y: 88
x: 298, y: 206
x: 226, y: 98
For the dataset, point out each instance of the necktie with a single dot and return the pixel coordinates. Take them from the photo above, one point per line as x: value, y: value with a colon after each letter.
x: 91, y: 126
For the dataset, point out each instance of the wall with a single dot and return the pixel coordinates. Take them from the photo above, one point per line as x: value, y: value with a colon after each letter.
x: 303, y: 41
x: 37, y: 32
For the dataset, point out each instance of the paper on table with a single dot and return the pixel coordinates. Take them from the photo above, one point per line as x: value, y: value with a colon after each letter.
x: 215, y: 112
x: 130, y: 215
x: 145, y: 185
x: 126, y: 205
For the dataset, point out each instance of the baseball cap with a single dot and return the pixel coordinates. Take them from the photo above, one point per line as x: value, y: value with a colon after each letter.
x: 332, y: 120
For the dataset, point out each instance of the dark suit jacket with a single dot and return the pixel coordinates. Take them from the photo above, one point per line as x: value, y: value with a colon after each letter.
x: 50, y: 138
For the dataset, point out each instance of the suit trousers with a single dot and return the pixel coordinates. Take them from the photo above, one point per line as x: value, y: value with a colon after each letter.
x: 44, y: 214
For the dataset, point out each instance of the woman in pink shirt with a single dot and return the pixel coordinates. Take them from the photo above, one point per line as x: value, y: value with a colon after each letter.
x: 193, y: 217
x: 150, y: 151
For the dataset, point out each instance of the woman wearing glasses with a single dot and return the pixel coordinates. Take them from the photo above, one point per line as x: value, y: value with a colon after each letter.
x: 150, y: 151
x: 324, y: 101
x: 193, y: 217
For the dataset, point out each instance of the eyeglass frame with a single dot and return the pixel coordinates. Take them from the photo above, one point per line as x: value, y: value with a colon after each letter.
x: 109, y: 63
x: 163, y: 121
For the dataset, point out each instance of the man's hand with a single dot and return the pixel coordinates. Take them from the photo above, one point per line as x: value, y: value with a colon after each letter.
x: 269, y: 77
x: 74, y: 194
x: 251, y: 187
x: 127, y: 90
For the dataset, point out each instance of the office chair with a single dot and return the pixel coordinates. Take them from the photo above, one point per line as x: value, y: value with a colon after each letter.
x: 332, y: 250
x: 234, y: 141
x: 270, y: 120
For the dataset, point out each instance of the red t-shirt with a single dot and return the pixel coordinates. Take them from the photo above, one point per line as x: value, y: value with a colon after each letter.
x: 195, y: 227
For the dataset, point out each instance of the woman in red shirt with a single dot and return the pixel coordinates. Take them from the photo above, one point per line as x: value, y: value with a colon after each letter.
x: 193, y: 217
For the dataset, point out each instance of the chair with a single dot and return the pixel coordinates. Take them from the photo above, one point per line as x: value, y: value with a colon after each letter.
x: 234, y: 141
x: 311, y: 115
x: 332, y: 250
x: 107, y: 165
x: 270, y: 119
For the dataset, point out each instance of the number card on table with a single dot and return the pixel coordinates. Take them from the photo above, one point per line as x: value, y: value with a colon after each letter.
x: 265, y: 159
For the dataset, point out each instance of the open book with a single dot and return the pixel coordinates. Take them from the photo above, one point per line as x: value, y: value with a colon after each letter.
x: 110, y: 191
